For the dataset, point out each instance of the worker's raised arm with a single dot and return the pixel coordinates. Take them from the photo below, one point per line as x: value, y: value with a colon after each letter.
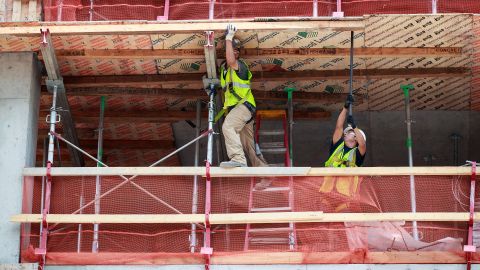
x: 338, y: 133
x: 362, y: 144
x: 229, y: 52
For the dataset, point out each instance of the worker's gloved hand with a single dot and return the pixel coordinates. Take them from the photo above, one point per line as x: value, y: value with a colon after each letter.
x: 350, y: 121
x: 231, y: 29
x: 349, y: 101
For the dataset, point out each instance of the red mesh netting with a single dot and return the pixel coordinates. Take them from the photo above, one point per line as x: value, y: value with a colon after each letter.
x: 105, y: 10
x: 231, y: 195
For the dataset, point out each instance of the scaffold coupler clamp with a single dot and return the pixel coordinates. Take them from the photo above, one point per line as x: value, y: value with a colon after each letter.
x: 208, y: 82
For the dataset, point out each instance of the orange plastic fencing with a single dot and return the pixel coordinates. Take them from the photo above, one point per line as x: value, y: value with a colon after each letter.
x: 231, y: 195
x: 106, y: 10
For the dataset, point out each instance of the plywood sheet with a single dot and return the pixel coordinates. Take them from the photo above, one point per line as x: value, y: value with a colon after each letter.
x: 429, y: 94
x: 444, y: 30
x: 475, y: 94
x: 102, y: 42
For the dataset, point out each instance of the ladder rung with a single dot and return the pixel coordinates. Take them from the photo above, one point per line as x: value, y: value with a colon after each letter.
x: 269, y: 240
x: 273, y: 189
x: 271, y: 230
x: 271, y: 209
x: 271, y: 132
x: 280, y: 150
x: 272, y: 145
x: 272, y: 114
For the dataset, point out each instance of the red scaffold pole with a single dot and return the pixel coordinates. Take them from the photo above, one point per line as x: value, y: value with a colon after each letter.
x: 470, y: 248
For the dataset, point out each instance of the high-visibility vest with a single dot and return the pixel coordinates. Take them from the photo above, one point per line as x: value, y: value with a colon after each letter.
x: 340, y: 159
x: 236, y: 89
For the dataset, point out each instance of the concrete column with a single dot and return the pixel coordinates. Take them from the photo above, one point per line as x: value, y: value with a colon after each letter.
x: 19, y: 105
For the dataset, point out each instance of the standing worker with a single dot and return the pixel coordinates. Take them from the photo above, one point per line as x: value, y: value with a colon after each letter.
x: 237, y: 128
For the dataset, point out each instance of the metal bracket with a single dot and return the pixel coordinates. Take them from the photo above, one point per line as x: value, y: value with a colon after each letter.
x: 207, y: 82
x: 57, y: 120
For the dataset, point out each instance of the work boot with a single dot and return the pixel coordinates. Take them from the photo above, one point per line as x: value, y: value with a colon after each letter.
x: 232, y: 164
x: 263, y: 184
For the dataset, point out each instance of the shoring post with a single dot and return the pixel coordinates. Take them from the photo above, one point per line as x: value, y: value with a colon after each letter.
x: 207, y: 250
x: 98, y: 179
x: 339, y: 13
x: 470, y: 248
x: 413, y: 201
x: 193, y: 235
x: 290, y: 91
x: 42, y: 249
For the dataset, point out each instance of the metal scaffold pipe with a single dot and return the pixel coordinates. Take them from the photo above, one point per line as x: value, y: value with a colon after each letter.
x: 193, y: 236
x: 98, y: 179
x: 406, y: 91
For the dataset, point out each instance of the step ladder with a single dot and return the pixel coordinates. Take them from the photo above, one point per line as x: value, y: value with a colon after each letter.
x: 256, y: 235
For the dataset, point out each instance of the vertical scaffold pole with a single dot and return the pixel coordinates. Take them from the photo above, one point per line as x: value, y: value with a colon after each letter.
x: 207, y: 249
x: 193, y: 236
x: 42, y: 249
x: 315, y: 8
x: 413, y: 201
x: 98, y: 180
x: 434, y: 6
x: 211, y: 10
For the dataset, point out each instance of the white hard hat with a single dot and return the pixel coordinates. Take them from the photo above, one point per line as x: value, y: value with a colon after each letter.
x: 349, y: 128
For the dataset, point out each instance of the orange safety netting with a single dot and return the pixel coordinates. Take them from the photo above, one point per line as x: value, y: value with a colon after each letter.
x: 105, y: 10
x: 231, y: 195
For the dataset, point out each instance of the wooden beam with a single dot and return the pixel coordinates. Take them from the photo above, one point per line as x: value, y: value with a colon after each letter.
x: 252, y: 171
x: 143, y: 28
x: 138, y: 117
x: 122, y: 144
x: 300, y: 96
x: 152, y: 81
x: 263, y: 258
x: 244, y: 218
x: 255, y: 54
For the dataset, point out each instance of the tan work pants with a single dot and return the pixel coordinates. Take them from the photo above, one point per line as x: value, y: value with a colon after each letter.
x: 239, y: 137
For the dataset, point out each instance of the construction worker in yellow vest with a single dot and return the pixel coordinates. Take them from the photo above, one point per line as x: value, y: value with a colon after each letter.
x: 237, y: 128
x: 347, y: 149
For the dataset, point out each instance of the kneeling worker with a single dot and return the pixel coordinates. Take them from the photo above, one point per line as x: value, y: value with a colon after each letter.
x: 348, y: 146
x: 237, y: 129
x: 347, y: 149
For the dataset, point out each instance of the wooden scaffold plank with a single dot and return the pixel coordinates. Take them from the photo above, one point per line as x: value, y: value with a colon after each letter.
x: 244, y: 218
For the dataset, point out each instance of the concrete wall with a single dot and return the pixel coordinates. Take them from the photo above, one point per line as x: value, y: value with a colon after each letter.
x: 19, y: 104
x: 386, y: 136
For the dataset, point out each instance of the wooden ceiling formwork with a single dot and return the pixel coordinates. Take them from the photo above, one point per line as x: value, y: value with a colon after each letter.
x: 134, y: 62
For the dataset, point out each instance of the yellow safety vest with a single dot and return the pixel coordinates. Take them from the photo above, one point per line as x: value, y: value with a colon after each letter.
x: 236, y: 89
x: 340, y: 159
